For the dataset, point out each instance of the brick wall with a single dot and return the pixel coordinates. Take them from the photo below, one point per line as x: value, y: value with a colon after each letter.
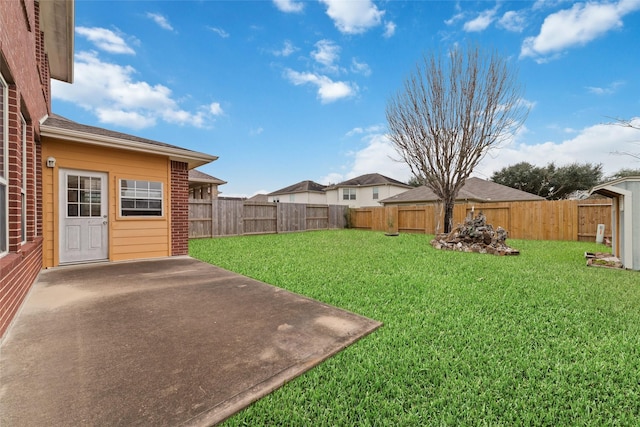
x: 18, y: 272
x: 24, y: 66
x: 179, y: 208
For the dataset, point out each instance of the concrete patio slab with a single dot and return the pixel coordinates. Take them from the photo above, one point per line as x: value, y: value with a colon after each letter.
x: 169, y: 341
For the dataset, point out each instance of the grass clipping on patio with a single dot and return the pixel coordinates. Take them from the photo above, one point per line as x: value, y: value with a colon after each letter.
x: 475, y: 235
x: 534, y: 339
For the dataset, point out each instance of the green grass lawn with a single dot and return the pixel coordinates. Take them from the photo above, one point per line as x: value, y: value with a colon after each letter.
x: 468, y: 339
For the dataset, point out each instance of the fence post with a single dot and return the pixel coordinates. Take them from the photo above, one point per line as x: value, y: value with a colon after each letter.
x: 214, y: 215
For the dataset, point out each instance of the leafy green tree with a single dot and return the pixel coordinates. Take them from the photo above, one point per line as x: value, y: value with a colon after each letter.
x: 522, y: 176
x: 415, y: 182
x: 622, y: 173
x: 550, y: 182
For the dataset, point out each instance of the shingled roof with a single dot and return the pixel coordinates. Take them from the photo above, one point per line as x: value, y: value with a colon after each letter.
x: 370, y: 179
x: 56, y: 126
x: 300, y: 187
x: 474, y: 190
x: 201, y: 177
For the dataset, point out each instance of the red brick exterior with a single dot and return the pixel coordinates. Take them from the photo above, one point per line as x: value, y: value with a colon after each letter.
x: 179, y: 208
x: 24, y: 67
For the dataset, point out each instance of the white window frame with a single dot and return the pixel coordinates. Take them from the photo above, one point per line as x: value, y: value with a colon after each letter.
x: 23, y: 182
x: 138, y: 194
x: 348, y: 193
x: 4, y: 146
x: 376, y: 193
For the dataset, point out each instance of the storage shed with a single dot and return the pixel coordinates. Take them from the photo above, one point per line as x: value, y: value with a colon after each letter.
x: 625, y: 218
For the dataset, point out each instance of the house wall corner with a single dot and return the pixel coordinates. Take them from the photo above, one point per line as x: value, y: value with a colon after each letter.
x: 179, y: 208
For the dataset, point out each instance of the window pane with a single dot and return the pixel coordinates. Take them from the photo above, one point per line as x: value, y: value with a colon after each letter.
x: 72, y: 210
x: 72, y: 181
x: 140, y: 198
x: 23, y: 219
x: 85, y: 196
x: 142, y: 204
x: 85, y: 183
x: 95, y: 183
x: 3, y: 147
x: 128, y: 193
x: 85, y: 209
x: 72, y: 195
x: 3, y: 218
x: 95, y: 210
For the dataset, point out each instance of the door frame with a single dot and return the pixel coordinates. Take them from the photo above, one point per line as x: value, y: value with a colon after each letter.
x: 62, y: 215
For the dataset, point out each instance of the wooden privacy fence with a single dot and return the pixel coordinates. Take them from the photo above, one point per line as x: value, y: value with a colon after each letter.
x: 542, y: 220
x: 238, y: 217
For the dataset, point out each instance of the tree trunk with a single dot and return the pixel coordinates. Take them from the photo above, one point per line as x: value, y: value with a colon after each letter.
x: 448, y: 215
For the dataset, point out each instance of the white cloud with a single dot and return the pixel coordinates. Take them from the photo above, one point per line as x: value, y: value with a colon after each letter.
x: 360, y: 67
x: 328, y: 90
x: 481, y: 22
x: 455, y: 18
x: 215, y: 109
x: 607, y: 90
x: 374, y: 129
x: 287, y: 49
x: 111, y: 92
x: 105, y: 40
x: 326, y: 53
x: 289, y: 6
x: 377, y: 156
x: 160, y: 20
x: 512, y: 21
x: 256, y: 131
x: 219, y: 31
x: 594, y: 144
x: 129, y: 119
x: 576, y: 26
x: 389, y: 29
x: 332, y: 178
x: 353, y: 17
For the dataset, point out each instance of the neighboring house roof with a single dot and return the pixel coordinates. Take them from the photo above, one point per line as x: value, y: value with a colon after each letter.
x: 196, y: 176
x: 56, y: 126
x: 58, y: 25
x: 474, y: 189
x: 371, y: 179
x: 300, y: 187
x: 259, y: 198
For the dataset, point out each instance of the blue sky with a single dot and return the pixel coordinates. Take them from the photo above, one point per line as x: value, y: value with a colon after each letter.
x: 284, y: 91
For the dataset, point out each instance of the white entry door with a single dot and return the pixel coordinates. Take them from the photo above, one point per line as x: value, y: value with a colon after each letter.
x: 83, y: 216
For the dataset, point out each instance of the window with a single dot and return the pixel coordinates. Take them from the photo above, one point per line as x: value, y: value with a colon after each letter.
x: 84, y: 196
x: 4, y: 237
x: 292, y: 198
x: 140, y: 198
x: 23, y: 182
x: 348, y: 194
x: 375, y: 193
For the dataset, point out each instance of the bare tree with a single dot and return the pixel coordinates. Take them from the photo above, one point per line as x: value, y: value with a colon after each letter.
x: 628, y: 123
x: 452, y: 109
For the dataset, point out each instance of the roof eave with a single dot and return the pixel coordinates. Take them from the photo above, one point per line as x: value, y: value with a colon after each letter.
x: 57, y: 22
x: 207, y: 181
x: 193, y: 158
